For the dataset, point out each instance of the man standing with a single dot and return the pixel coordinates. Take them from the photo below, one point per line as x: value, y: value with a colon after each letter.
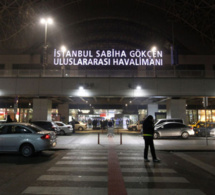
x: 148, y: 133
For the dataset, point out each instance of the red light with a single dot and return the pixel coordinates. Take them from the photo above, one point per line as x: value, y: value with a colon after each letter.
x: 47, y: 136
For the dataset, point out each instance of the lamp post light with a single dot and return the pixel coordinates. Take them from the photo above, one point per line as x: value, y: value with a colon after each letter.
x: 154, y: 49
x: 45, y: 21
x: 63, y: 49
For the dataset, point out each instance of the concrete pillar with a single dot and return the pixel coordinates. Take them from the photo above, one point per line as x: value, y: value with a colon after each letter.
x: 42, y: 109
x: 151, y: 109
x: 63, y: 111
x: 176, y: 109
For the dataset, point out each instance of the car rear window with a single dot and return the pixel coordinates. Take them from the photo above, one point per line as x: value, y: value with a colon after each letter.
x: 35, y: 128
x: 44, y: 125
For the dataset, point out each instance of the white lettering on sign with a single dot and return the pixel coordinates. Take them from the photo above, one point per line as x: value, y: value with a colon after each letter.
x: 108, y: 57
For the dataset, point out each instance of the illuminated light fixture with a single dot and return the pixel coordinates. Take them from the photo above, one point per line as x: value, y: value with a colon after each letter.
x: 85, y: 111
x: 86, y: 101
x: 126, y: 104
x: 46, y: 21
x: 130, y: 102
x: 63, y: 48
x: 81, y: 88
x: 138, y: 87
x: 154, y: 48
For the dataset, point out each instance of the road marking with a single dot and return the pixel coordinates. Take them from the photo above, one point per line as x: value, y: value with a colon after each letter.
x: 164, y: 191
x: 73, y: 178
x: 116, y: 183
x: 140, y: 162
x: 65, y: 190
x: 81, y: 163
x: 79, y: 169
x: 130, y: 158
x: 197, y: 162
x: 84, y: 157
x: 156, y: 179
x: 95, y: 153
x: 144, y: 170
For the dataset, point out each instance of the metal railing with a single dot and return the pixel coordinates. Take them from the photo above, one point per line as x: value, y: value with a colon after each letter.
x: 107, y: 73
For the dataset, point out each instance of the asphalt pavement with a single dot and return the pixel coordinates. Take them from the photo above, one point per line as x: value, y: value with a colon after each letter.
x: 100, y: 164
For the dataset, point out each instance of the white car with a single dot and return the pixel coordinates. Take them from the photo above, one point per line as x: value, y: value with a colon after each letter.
x: 136, y: 127
x: 212, y: 132
x: 80, y: 126
x: 64, y: 129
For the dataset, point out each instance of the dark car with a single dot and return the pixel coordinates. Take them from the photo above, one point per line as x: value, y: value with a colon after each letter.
x: 202, y: 131
x: 47, y: 125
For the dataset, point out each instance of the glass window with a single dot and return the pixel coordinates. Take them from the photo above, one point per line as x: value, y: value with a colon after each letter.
x: 60, y: 124
x: 169, y: 126
x: 20, y: 129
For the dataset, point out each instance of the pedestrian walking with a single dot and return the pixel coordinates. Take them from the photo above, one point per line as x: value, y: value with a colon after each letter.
x: 148, y: 133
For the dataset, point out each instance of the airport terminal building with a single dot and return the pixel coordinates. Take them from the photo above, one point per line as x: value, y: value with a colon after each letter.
x: 109, y: 68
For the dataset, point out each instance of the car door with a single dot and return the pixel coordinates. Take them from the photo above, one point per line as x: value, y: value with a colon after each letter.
x: 3, y: 131
x: 165, y: 130
x: 10, y: 138
x: 77, y: 124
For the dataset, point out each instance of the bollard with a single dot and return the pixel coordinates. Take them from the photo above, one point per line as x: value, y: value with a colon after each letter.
x: 98, y: 138
x: 120, y: 138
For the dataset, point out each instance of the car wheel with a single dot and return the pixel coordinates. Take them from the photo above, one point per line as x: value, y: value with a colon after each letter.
x: 27, y: 150
x: 156, y: 135
x: 80, y: 128
x: 134, y: 128
x: 62, y: 132
x: 185, y: 135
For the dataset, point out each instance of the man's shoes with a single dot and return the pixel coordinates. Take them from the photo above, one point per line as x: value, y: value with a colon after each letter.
x: 156, y: 160
x: 146, y: 160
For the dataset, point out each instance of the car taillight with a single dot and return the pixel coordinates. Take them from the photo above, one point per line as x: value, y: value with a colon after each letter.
x: 191, y: 127
x: 47, y: 136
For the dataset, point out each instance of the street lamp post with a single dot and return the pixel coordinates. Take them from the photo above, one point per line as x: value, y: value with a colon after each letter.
x: 45, y: 21
x: 154, y: 49
x: 63, y: 49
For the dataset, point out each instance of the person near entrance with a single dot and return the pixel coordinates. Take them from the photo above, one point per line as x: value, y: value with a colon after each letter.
x: 9, y: 120
x: 148, y: 132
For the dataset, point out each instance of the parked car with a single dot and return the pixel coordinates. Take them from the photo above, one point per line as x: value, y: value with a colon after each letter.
x: 25, y: 138
x: 47, y: 125
x: 64, y: 129
x: 202, y: 131
x: 136, y: 127
x: 164, y: 120
x: 212, y: 132
x: 173, y: 129
x: 198, y: 124
x: 80, y: 126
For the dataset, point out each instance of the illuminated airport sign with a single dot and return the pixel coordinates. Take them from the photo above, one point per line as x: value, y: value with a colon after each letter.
x: 108, y: 57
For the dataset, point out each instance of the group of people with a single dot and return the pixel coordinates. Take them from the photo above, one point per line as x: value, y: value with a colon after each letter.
x: 103, y: 124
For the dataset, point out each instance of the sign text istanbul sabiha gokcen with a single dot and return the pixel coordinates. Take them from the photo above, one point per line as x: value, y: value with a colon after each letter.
x: 108, y: 57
